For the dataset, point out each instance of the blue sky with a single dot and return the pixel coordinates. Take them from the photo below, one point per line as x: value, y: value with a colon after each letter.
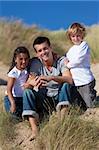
x: 52, y: 15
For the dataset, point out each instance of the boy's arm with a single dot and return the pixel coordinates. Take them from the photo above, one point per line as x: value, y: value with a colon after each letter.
x: 83, y: 52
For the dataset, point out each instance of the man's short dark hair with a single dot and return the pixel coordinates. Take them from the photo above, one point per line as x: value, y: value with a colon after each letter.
x: 40, y: 40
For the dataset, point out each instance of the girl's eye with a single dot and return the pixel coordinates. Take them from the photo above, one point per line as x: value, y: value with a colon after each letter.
x: 21, y: 58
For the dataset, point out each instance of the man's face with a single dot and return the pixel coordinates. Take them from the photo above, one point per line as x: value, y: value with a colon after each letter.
x: 44, y: 51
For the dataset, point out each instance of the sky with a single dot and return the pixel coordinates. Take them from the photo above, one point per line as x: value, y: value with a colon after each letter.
x: 51, y: 15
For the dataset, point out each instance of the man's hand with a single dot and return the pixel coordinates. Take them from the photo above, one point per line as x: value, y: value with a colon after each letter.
x: 46, y: 78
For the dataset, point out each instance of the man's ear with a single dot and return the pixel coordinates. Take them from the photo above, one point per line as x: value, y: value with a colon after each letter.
x: 37, y: 55
x: 51, y: 48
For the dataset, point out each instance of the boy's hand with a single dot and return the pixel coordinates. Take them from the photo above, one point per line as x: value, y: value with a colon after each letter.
x: 66, y: 61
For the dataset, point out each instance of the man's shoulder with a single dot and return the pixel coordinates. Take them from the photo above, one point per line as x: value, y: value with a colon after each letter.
x: 35, y: 64
x: 35, y: 60
x: 60, y: 59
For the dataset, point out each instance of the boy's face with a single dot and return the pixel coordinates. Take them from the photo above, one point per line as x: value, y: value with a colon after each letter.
x: 76, y: 38
x: 43, y: 51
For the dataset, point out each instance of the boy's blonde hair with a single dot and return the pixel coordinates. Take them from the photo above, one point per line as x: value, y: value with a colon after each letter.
x: 76, y: 28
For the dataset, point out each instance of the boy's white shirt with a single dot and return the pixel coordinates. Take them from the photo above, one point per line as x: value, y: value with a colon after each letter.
x: 21, y: 77
x: 79, y: 64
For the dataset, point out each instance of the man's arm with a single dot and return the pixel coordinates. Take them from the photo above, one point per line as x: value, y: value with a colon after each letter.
x: 66, y: 77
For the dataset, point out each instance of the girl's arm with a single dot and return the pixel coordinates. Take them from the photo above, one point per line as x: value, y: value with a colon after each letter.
x: 9, y: 91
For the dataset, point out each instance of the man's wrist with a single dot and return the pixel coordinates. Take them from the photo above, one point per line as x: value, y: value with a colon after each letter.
x: 52, y: 77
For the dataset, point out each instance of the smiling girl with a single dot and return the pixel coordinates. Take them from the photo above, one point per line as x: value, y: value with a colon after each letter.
x: 17, y: 77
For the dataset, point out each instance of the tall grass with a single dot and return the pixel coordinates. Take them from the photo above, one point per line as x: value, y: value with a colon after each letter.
x: 7, y: 131
x: 7, y: 125
x: 93, y: 38
x: 15, y: 33
x: 70, y: 134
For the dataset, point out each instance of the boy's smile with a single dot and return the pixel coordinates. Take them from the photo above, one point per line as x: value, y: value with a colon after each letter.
x: 76, y: 38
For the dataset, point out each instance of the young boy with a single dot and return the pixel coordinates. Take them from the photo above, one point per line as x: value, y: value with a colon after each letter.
x: 78, y: 61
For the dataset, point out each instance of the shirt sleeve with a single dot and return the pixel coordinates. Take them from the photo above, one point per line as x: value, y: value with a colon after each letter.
x: 35, y: 65
x: 13, y: 74
x: 63, y: 66
x: 83, y: 52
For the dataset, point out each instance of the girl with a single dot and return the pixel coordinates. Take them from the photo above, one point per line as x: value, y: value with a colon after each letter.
x: 17, y: 77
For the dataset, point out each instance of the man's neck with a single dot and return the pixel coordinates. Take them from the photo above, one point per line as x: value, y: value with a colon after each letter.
x: 49, y: 63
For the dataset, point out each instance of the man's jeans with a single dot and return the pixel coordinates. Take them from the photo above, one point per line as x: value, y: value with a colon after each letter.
x: 34, y: 102
x: 19, y: 106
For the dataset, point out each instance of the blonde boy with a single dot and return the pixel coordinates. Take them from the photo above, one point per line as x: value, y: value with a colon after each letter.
x: 78, y: 61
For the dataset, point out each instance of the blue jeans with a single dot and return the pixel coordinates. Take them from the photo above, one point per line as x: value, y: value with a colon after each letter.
x: 19, y: 106
x: 33, y: 102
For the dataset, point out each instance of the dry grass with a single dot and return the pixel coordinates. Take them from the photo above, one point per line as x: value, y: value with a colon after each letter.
x: 7, y: 125
x: 15, y: 33
x: 70, y: 134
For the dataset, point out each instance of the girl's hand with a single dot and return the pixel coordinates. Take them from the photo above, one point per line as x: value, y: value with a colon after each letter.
x: 27, y: 85
x: 13, y: 107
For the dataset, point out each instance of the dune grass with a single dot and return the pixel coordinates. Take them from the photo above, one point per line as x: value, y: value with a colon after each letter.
x: 15, y: 33
x: 70, y: 134
x: 7, y: 127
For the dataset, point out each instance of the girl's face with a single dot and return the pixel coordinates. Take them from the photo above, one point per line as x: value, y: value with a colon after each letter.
x: 22, y: 61
x: 76, y: 38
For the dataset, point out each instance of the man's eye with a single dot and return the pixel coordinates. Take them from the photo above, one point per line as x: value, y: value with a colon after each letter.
x: 39, y: 50
x: 45, y: 48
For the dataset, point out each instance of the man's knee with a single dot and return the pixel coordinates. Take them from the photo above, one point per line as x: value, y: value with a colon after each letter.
x: 27, y: 92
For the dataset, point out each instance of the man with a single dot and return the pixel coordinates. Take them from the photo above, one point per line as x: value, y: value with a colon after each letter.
x: 51, y: 81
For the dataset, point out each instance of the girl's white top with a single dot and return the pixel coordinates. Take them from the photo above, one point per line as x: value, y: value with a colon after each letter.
x: 21, y: 77
x: 79, y: 64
